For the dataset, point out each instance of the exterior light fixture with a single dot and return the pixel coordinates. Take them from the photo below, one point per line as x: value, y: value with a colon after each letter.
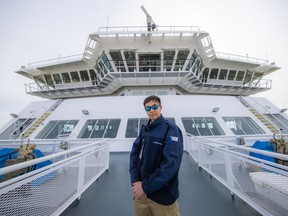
x: 215, y: 109
x: 14, y: 115
x: 85, y: 112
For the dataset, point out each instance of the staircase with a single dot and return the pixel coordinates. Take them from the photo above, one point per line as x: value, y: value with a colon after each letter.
x: 40, y: 120
x: 258, y: 115
x: 35, y: 125
x: 263, y: 120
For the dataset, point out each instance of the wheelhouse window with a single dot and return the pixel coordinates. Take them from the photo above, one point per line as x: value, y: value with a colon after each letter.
x: 223, y: 74
x: 192, y: 60
x: 100, y: 128
x: 181, y: 58
x: 66, y: 77
x: 84, y: 75
x: 134, y: 126
x: 202, y: 126
x: 243, y: 125
x: 214, y: 73
x: 49, y: 80
x: 195, y: 63
x: 232, y: 74
x: 240, y: 76
x: 205, y: 74
x: 105, y: 64
x: 57, y: 129
x: 130, y: 59
x: 93, y: 77
x: 117, y: 59
x: 57, y: 78
x: 149, y: 62
x: 197, y: 67
x: 257, y: 77
x: 168, y: 59
x: 248, y: 77
x: 75, y: 76
x: 40, y: 81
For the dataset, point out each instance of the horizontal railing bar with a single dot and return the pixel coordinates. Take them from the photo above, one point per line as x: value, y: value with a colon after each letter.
x: 48, y: 157
x: 48, y: 167
x: 271, y: 154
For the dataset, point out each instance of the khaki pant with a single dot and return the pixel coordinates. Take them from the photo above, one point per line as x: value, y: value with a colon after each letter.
x: 147, y: 207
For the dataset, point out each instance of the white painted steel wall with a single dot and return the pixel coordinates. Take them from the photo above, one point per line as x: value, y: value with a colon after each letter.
x: 176, y: 106
x: 125, y: 107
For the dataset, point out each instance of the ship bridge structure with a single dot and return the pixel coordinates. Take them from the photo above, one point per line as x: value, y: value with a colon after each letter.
x: 125, y: 60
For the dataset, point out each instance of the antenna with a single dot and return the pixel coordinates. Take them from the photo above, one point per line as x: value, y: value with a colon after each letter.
x: 150, y: 22
x: 107, y: 22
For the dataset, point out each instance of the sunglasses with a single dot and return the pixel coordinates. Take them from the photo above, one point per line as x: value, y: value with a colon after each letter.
x: 154, y: 107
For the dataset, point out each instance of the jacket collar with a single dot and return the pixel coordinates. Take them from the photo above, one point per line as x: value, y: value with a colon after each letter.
x: 156, y: 122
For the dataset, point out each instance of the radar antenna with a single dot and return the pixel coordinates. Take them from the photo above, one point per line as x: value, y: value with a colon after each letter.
x: 150, y: 22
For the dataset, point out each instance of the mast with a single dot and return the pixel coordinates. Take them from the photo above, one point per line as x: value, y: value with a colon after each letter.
x: 150, y: 22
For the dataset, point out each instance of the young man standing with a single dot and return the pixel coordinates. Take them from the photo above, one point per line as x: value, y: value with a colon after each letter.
x: 154, y: 164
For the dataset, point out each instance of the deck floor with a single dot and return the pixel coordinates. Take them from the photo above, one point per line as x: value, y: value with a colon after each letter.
x: 200, y: 195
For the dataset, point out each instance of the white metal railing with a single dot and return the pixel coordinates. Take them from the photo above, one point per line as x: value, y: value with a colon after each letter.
x: 51, y: 189
x: 260, y: 183
x: 60, y: 60
x: 241, y: 58
x: 262, y: 84
x: 143, y: 29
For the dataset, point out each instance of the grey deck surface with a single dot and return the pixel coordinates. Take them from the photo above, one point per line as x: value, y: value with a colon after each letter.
x: 111, y: 194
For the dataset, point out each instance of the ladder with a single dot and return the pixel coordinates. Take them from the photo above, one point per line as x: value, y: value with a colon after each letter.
x: 263, y: 120
x: 40, y: 120
x: 35, y: 125
x: 259, y: 116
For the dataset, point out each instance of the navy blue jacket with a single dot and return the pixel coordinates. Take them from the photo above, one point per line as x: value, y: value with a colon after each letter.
x: 155, y: 160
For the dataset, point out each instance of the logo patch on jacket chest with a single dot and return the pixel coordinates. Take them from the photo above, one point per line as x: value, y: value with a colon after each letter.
x: 157, y: 143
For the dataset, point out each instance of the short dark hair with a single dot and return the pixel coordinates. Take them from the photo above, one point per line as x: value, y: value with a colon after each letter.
x: 152, y: 98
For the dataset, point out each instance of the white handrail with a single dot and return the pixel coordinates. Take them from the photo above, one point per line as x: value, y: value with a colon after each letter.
x: 42, y: 159
x: 241, y: 58
x: 139, y: 29
x: 53, y: 188
x: 211, y: 143
x: 244, y: 174
x: 59, y: 60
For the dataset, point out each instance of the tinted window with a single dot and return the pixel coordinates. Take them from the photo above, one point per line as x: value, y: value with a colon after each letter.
x: 243, y: 125
x: 100, y: 128
x: 134, y: 126
x: 57, y: 129
x: 202, y: 126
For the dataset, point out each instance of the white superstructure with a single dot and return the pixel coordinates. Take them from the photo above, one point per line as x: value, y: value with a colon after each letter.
x: 99, y: 94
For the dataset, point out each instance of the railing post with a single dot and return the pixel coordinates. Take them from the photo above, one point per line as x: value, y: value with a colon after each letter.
x: 81, y: 175
x: 229, y: 172
x: 106, y: 149
x: 199, y: 155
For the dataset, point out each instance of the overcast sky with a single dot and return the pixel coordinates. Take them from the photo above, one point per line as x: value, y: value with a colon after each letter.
x: 35, y: 30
